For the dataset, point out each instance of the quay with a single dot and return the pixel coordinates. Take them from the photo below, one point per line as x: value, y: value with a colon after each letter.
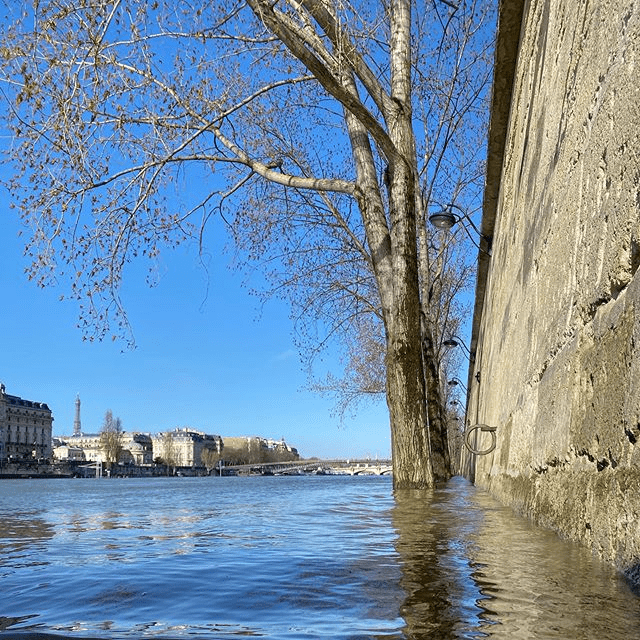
x: 295, y: 467
x: 313, y: 466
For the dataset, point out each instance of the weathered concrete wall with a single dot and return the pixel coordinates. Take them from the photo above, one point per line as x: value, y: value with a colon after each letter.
x: 556, y: 330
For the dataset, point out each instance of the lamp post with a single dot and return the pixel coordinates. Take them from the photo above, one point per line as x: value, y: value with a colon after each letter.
x: 454, y: 341
x: 454, y: 382
x: 471, y: 431
x: 446, y: 218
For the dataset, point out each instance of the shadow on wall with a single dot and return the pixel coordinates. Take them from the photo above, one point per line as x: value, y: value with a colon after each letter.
x: 632, y: 574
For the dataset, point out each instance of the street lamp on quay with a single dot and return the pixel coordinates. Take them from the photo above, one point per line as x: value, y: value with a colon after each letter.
x: 446, y: 218
x: 471, y: 432
x: 455, y: 341
x: 454, y: 382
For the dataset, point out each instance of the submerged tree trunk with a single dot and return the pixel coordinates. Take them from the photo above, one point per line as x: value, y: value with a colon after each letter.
x: 406, y: 394
x: 436, y: 411
x: 412, y: 467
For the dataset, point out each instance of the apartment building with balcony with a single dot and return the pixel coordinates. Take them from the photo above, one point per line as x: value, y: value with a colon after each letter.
x: 25, y: 428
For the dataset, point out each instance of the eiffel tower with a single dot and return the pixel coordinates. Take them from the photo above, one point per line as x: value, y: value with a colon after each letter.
x: 76, y: 423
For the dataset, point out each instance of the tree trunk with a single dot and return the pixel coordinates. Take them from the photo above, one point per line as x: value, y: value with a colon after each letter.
x: 406, y: 393
x: 411, y: 457
x: 406, y: 396
x: 436, y: 413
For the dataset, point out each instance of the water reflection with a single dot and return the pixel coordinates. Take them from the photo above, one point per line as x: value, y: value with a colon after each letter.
x: 472, y: 569
x: 437, y: 570
x: 19, y: 532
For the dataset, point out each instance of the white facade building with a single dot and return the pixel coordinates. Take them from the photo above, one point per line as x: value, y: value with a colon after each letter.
x: 183, y: 447
x: 137, y: 448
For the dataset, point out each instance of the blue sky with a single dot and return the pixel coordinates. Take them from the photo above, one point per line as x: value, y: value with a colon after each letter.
x: 208, y: 357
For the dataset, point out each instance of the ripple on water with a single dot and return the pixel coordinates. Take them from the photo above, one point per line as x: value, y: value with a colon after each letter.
x: 289, y: 558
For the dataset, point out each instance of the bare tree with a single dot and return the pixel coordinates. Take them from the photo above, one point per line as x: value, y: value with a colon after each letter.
x: 111, y: 438
x: 364, y: 365
x: 322, y: 129
x: 170, y: 454
x: 210, y: 457
x: 239, y: 453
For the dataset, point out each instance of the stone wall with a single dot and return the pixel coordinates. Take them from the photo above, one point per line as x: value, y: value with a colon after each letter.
x: 556, y: 333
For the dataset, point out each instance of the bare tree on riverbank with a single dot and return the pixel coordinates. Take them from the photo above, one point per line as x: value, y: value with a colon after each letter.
x: 210, y: 458
x: 111, y: 438
x: 319, y: 131
x: 169, y: 454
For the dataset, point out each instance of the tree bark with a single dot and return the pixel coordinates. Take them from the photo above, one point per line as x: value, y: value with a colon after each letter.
x: 406, y: 394
x: 412, y: 467
x: 436, y: 413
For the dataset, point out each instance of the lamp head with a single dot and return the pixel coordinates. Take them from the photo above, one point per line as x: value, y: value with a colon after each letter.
x: 444, y: 219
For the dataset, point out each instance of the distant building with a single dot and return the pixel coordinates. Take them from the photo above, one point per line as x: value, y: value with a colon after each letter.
x: 63, y: 452
x: 77, y: 426
x: 180, y: 447
x: 280, y: 446
x: 88, y: 443
x: 183, y: 447
x: 25, y: 428
x: 137, y: 448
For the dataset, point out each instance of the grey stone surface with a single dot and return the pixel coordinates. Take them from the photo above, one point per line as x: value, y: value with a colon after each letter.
x: 557, y: 324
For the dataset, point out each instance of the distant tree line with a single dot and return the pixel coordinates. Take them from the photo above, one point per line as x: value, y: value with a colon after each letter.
x: 251, y: 452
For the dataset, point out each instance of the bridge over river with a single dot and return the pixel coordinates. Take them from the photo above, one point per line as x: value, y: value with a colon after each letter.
x: 315, y: 466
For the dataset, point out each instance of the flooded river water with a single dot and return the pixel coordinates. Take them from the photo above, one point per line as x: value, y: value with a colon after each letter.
x: 292, y: 558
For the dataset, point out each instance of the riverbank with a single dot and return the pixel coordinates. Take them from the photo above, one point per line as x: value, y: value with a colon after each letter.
x: 16, y: 470
x: 313, y: 466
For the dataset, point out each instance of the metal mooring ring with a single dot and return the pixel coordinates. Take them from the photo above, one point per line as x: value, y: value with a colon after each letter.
x: 482, y: 427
